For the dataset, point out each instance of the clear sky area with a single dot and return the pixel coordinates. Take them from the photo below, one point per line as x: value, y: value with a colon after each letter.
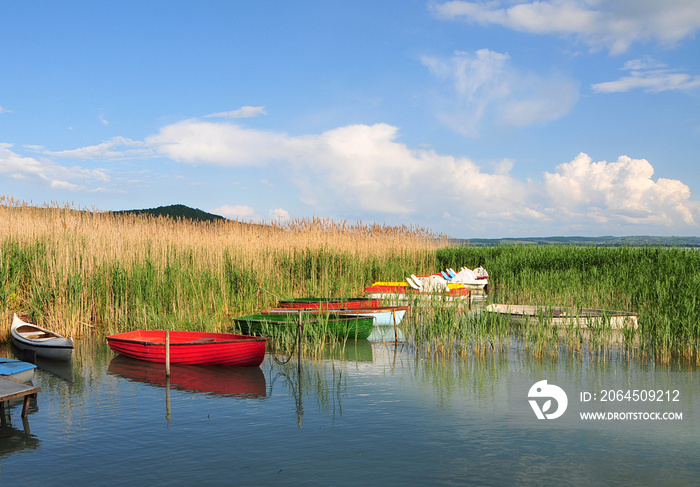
x: 474, y: 119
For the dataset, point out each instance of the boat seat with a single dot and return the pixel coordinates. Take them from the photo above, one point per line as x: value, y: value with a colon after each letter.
x: 203, y: 340
x: 36, y: 336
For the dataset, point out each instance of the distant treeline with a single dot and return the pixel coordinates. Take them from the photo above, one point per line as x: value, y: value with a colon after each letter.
x: 639, y: 241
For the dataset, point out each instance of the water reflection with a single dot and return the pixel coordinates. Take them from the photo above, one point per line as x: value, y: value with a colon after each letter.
x: 371, y: 410
x: 238, y: 382
x: 349, y: 351
x: 321, y: 378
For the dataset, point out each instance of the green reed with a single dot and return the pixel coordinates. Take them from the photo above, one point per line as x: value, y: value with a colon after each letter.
x: 660, y: 285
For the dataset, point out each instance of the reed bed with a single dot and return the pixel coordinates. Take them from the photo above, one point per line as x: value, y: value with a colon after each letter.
x: 79, y: 270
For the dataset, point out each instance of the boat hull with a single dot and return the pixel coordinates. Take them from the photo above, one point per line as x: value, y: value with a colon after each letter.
x: 43, y: 343
x: 190, y: 347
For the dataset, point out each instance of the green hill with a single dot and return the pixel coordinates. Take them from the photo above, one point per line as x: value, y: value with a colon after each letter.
x: 175, y: 211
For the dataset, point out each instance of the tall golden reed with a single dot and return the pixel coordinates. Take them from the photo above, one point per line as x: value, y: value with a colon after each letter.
x: 65, y: 266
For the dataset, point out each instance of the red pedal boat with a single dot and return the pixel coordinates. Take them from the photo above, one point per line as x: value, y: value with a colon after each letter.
x: 190, y: 347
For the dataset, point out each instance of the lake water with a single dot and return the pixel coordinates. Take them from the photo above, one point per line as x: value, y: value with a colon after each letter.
x: 378, y: 415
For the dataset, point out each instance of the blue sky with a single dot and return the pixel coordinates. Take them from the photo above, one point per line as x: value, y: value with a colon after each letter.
x: 471, y: 118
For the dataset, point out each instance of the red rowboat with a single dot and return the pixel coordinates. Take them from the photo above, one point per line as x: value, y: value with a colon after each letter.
x: 190, y: 347
x: 329, y: 303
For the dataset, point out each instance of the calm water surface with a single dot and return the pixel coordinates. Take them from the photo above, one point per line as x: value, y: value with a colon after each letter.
x: 377, y: 415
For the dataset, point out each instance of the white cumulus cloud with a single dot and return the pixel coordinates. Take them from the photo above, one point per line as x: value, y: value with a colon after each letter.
x: 357, y: 166
x: 279, y: 215
x: 236, y: 212
x: 621, y: 191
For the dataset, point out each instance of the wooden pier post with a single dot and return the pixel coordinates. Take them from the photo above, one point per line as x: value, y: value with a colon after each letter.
x: 300, y: 329
x: 167, y: 353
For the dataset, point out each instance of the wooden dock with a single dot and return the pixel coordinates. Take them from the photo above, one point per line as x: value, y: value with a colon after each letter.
x: 10, y: 389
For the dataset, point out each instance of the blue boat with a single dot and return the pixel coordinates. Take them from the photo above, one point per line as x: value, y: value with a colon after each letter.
x: 16, y: 370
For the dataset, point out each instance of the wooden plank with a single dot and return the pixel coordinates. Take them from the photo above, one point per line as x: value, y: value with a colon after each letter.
x: 10, y: 389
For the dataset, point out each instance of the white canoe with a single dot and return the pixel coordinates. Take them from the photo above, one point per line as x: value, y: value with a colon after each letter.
x: 558, y: 316
x: 45, y: 343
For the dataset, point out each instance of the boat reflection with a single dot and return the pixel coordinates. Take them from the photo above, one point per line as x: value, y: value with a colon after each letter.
x: 60, y: 368
x: 239, y: 382
x: 350, y: 350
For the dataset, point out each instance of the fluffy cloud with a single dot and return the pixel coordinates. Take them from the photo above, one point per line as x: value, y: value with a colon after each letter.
x: 279, y: 215
x: 48, y: 173
x: 486, y: 88
x: 621, y: 191
x: 236, y: 212
x: 611, y: 24
x: 360, y: 166
x: 194, y: 141
x: 248, y: 214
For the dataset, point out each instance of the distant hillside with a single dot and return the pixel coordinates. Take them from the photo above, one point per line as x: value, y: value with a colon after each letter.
x: 639, y: 241
x: 175, y: 211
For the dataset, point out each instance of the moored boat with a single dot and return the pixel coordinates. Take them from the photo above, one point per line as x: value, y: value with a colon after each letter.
x: 382, y: 315
x: 16, y: 370
x: 190, y: 347
x: 562, y: 316
x: 273, y: 324
x: 386, y: 319
x: 44, y: 343
x: 329, y: 303
x: 397, y: 293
